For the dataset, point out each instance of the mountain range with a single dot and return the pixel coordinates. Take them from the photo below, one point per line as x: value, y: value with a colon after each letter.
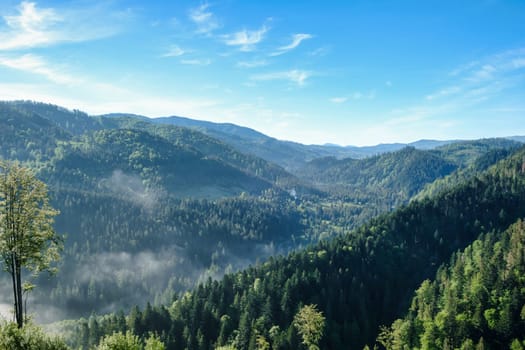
x: 215, y: 235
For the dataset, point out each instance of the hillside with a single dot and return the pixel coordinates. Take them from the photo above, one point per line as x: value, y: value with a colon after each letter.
x: 211, y: 147
x: 151, y: 209
x: 476, y: 300
x: 394, y: 177
x: 289, y: 155
x: 91, y: 161
x: 27, y: 136
x: 371, y: 273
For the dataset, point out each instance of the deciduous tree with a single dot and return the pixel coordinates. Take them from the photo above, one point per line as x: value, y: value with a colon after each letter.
x: 27, y: 239
x: 309, y: 323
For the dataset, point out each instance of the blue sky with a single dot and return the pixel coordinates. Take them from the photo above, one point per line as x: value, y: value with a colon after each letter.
x: 345, y: 72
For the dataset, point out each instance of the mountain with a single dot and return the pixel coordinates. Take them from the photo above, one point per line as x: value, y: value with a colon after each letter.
x: 474, y: 167
x: 286, y: 154
x: 91, y: 161
x: 359, y: 281
x: 27, y: 136
x: 65, y: 136
x: 395, y: 177
x: 150, y: 209
x: 211, y: 147
x: 74, y: 122
x: 517, y: 138
x: 465, y: 153
x: 289, y: 155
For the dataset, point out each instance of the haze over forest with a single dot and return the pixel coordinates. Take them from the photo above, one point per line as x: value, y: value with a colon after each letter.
x: 262, y: 175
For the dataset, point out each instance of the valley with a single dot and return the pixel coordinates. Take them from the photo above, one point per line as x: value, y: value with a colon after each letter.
x: 212, y: 235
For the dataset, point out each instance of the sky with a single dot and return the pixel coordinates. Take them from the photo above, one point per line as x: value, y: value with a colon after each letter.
x: 342, y: 72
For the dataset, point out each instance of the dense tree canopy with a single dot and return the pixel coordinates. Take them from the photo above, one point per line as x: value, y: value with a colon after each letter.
x: 158, y: 212
x: 479, y: 298
x: 359, y: 281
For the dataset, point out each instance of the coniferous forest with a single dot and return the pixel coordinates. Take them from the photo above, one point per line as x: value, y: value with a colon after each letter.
x: 188, y: 237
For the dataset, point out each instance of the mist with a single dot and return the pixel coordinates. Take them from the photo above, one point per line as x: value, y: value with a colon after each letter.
x: 132, y: 189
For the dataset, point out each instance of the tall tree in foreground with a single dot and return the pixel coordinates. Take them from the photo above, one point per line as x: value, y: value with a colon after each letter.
x: 310, y: 325
x: 27, y: 238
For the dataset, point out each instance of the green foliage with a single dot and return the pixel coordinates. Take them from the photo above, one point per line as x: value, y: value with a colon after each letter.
x: 360, y: 280
x: 26, y: 136
x: 154, y: 343
x: 475, y: 152
x: 392, y: 177
x: 29, y: 337
x: 120, y: 341
x: 28, y: 241
x: 120, y: 183
x: 479, y: 295
x: 310, y: 324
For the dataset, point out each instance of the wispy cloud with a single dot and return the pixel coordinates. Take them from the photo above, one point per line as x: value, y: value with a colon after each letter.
x: 448, y: 91
x: 296, y: 41
x: 295, y: 76
x: 37, y: 65
x: 32, y: 26
x: 174, y: 51
x: 474, y: 91
x: 320, y: 52
x: 354, y: 96
x: 252, y: 64
x: 204, y: 19
x: 339, y: 99
x: 482, y: 79
x: 196, y: 62
x: 246, y: 39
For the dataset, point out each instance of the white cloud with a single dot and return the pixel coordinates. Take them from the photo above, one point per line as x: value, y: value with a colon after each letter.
x: 321, y: 51
x: 296, y: 41
x: 481, y: 80
x: 246, y: 39
x: 339, y: 99
x: 196, y: 62
x: 295, y: 76
x: 451, y: 90
x: 204, y: 19
x: 35, y: 27
x: 174, y: 51
x: 354, y: 96
x: 37, y: 65
x: 252, y: 64
x: 31, y: 27
x: 485, y: 72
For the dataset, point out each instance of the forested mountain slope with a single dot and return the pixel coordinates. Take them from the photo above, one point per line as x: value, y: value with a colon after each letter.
x: 27, y: 136
x: 92, y: 160
x: 124, y: 250
x: 46, y: 124
x: 393, y: 177
x: 476, y: 301
x: 359, y: 281
x: 474, y: 167
x: 72, y: 121
x: 211, y: 147
x: 466, y: 153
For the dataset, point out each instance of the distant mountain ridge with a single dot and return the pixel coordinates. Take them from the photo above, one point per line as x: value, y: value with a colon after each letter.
x: 288, y: 154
